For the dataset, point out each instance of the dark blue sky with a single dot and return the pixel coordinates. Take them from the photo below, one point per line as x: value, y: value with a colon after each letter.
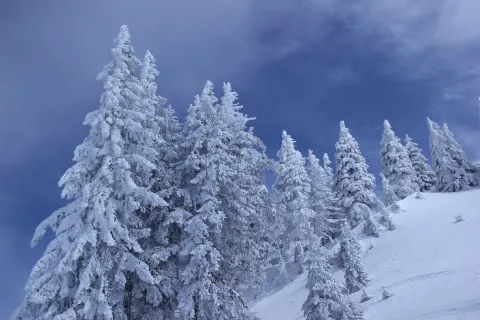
x: 300, y: 65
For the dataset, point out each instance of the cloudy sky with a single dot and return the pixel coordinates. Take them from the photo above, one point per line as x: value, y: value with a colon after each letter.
x: 299, y: 65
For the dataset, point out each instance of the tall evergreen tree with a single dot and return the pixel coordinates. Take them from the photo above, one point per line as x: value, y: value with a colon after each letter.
x: 451, y: 172
x: 353, y: 183
x: 158, y: 300
x: 291, y: 192
x: 396, y: 165
x: 425, y: 176
x: 326, y: 299
x: 328, y: 169
x: 329, y: 216
x: 243, y: 198
x: 458, y: 154
x: 204, y: 293
x: 86, y: 268
x: 356, y: 278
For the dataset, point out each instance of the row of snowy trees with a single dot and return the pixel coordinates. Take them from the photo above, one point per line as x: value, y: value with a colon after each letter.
x: 171, y: 220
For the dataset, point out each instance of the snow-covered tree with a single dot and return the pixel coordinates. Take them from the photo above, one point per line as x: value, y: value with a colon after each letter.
x: 450, y: 166
x: 396, y: 165
x: 425, y: 176
x: 243, y: 198
x: 328, y: 169
x: 292, y: 193
x: 356, y: 278
x: 353, y: 184
x: 204, y: 293
x: 87, y: 268
x: 329, y: 216
x: 326, y: 298
x: 158, y: 301
x: 458, y: 154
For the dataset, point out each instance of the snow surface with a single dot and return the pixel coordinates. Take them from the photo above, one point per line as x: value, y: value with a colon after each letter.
x: 430, y: 263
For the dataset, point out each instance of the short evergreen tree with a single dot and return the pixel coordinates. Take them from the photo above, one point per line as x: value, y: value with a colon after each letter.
x: 326, y: 299
x: 386, y: 293
x: 292, y: 193
x: 88, y: 267
x: 425, y: 176
x: 386, y: 219
x: 353, y: 184
x: 396, y: 165
x: 356, y: 278
x: 390, y: 199
x: 365, y: 296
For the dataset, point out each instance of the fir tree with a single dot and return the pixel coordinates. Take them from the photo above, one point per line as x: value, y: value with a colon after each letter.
x: 396, y: 165
x: 389, y: 196
x: 450, y: 165
x: 158, y: 301
x: 425, y: 176
x: 204, y: 293
x: 356, y: 277
x: 458, y: 154
x: 319, y: 192
x: 87, y: 268
x: 353, y: 183
x: 243, y: 198
x: 326, y: 298
x: 328, y: 170
x: 291, y: 192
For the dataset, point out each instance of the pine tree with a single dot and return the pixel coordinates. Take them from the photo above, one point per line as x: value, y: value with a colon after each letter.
x: 356, y: 278
x: 291, y: 192
x: 87, y: 268
x: 326, y: 299
x: 353, y: 183
x: 449, y: 165
x: 204, y: 293
x: 396, y: 165
x: 425, y: 176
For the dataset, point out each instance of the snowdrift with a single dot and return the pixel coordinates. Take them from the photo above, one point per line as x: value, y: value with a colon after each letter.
x: 431, y: 264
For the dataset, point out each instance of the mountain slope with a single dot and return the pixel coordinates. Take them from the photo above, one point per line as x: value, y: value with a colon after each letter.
x: 430, y: 263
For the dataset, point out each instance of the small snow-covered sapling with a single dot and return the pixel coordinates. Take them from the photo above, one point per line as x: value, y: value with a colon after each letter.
x: 386, y: 294
x: 419, y: 195
x: 365, y: 296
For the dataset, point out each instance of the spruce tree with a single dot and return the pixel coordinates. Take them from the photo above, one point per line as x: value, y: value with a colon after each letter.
x: 158, y: 301
x: 356, y: 278
x: 450, y: 166
x: 87, y: 269
x: 328, y: 170
x: 326, y: 299
x: 425, y: 176
x: 243, y: 198
x: 353, y: 184
x: 292, y: 193
x: 396, y: 165
x: 329, y: 216
x: 458, y: 154
x: 204, y: 293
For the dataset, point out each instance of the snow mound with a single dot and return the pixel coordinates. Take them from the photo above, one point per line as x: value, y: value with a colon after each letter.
x: 430, y: 263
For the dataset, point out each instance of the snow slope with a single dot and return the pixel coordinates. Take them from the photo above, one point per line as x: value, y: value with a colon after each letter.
x: 430, y: 263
